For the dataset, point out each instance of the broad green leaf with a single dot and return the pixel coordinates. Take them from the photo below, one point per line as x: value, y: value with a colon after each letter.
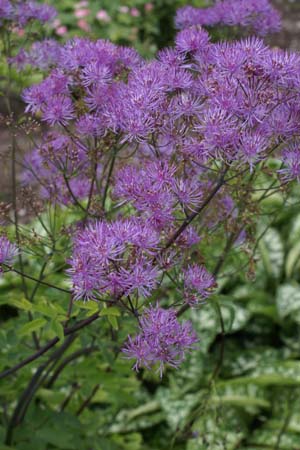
x: 241, y: 401
x: 34, y: 325
x: 21, y: 304
x: 288, y: 441
x: 272, y: 253
x: 113, y: 321
x: 292, y: 260
x: 288, y: 302
x: 58, y: 329
x: 46, y: 310
x: 112, y: 311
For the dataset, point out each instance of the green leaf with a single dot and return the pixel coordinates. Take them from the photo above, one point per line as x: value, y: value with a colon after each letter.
x: 288, y: 302
x: 58, y: 329
x: 272, y: 253
x: 34, y: 325
x: 21, y: 304
x: 292, y: 260
x: 242, y: 401
x: 113, y: 321
x: 112, y: 311
x: 46, y: 310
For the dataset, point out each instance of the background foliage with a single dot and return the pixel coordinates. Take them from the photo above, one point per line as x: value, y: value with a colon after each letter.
x: 98, y: 402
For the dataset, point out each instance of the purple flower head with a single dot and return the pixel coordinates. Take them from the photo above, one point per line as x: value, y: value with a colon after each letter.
x: 20, y: 60
x: 258, y: 15
x: 192, y: 40
x: 34, y: 96
x: 51, y: 96
x: 44, y: 54
x: 8, y: 252
x: 220, y: 132
x: 91, y: 125
x: 149, y: 190
x: 162, y: 341
x: 58, y: 110
x: 189, y: 193
x: 171, y: 57
x: 188, y: 238
x: 141, y: 278
x: 282, y: 67
x: 251, y: 147
x: 96, y: 73
x: 291, y: 159
x: 31, y: 10
x: 198, y: 283
x: 86, y: 277
x: 6, y: 9
x: 114, y: 258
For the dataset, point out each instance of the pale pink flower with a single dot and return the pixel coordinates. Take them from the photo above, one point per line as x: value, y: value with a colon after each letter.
x: 19, y: 31
x: 149, y: 7
x: 81, y: 13
x: 103, y: 16
x: 134, y: 12
x: 56, y: 23
x: 83, y: 25
x: 124, y: 9
x: 80, y: 5
x: 60, y: 31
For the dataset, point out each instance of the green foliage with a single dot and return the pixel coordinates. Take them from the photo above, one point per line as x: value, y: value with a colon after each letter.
x: 90, y: 397
x: 147, y: 29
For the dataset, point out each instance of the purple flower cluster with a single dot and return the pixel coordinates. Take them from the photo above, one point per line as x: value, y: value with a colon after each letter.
x: 42, y: 55
x: 205, y: 100
x: 54, y: 166
x: 258, y: 15
x: 22, y: 12
x: 291, y: 159
x: 162, y: 340
x: 114, y: 259
x: 8, y: 252
x: 157, y: 192
x: 198, y: 282
x: 139, y: 146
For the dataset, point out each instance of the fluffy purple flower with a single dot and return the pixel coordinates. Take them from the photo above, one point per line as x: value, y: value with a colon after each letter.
x: 86, y: 277
x: 91, y: 125
x: 141, y: 278
x: 162, y: 341
x: 35, y: 96
x: 114, y: 258
x: 220, y: 131
x: 6, y: 9
x: 191, y: 40
x: 58, y: 110
x: 251, y: 147
x: 198, y: 283
x: 31, y: 10
x: 291, y: 159
x: 51, y: 96
x: 42, y: 55
x: 189, y: 193
x: 8, y: 252
x: 258, y: 15
x: 96, y: 72
x: 149, y: 190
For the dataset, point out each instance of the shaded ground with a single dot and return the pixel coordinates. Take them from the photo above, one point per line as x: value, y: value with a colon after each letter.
x: 289, y: 37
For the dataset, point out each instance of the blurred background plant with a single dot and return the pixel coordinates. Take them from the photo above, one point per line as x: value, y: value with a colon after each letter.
x: 147, y: 25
